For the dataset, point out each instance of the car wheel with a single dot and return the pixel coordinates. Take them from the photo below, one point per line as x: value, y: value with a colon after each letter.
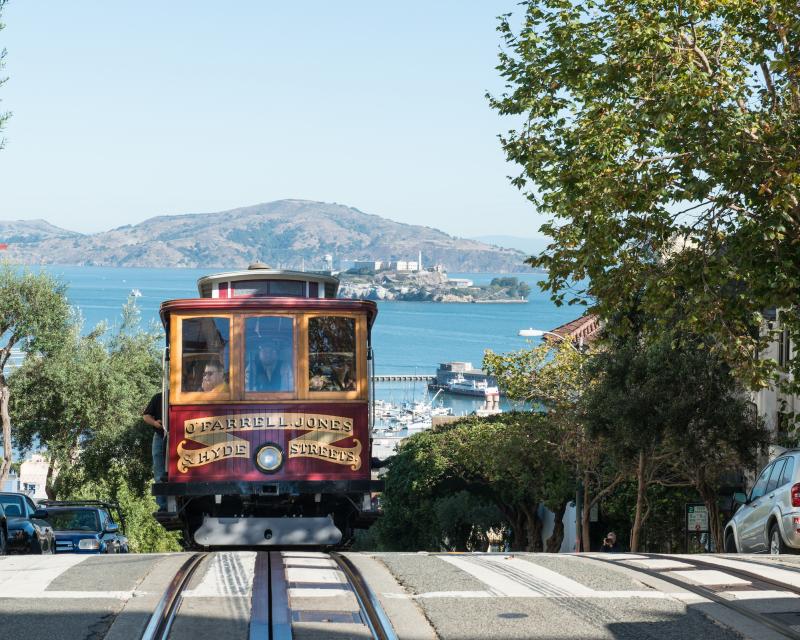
x: 730, y: 543
x: 3, y: 542
x: 776, y: 544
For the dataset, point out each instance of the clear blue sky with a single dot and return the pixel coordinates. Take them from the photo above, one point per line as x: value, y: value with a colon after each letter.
x: 127, y: 110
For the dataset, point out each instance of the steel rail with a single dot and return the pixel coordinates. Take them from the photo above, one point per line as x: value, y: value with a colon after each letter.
x: 280, y: 621
x: 704, y: 592
x: 160, y: 622
x: 742, y: 573
x: 375, y: 617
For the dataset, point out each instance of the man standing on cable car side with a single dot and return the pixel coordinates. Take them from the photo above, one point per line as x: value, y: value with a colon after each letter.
x: 152, y: 415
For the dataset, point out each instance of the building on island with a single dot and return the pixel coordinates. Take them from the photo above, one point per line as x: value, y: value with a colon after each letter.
x: 460, y: 283
x: 368, y: 265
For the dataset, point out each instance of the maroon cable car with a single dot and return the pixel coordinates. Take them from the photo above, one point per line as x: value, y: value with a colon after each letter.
x: 267, y: 395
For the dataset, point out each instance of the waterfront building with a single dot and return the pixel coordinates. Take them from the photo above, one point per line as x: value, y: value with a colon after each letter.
x: 450, y: 372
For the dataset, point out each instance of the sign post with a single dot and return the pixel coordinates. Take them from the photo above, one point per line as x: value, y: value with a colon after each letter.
x: 698, y: 538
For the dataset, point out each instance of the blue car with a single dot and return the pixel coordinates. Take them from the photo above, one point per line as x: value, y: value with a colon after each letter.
x: 86, y: 526
x: 27, y: 531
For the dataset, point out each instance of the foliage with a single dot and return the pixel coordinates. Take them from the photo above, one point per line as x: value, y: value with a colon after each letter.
x: 664, y: 531
x: 513, y: 286
x: 677, y: 409
x: 555, y: 378
x: 83, y: 403
x: 662, y: 142
x: 34, y: 317
x: 499, y: 463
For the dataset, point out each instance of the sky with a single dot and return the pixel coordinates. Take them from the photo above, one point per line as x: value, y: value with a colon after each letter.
x: 127, y: 110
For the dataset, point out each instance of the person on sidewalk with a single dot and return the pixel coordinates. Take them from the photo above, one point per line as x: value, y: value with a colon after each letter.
x: 610, y: 543
x: 152, y: 416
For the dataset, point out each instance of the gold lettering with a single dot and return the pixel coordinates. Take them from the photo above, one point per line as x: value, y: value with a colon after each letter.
x: 258, y: 422
x: 231, y: 423
x: 245, y: 422
x: 217, y: 426
x: 241, y: 449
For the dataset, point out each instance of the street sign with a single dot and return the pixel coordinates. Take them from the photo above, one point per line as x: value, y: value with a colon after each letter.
x: 696, y: 518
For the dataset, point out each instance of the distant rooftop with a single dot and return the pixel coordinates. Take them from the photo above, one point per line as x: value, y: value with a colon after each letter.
x: 584, y: 329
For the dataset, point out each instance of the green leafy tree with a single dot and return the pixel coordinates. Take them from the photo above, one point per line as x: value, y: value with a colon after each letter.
x: 504, y: 461
x: 554, y: 378
x: 34, y: 317
x: 662, y: 142
x: 83, y: 403
x: 676, y: 410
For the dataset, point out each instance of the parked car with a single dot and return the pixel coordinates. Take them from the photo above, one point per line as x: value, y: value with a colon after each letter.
x: 3, y: 532
x: 86, y: 526
x: 28, y: 532
x: 768, y: 519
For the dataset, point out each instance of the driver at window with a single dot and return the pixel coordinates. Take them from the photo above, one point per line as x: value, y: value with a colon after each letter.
x: 214, y: 378
x: 270, y: 372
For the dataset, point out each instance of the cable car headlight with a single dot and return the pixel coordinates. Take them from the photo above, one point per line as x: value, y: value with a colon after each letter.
x: 269, y: 457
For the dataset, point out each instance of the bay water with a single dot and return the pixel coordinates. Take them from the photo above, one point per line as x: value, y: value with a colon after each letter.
x: 408, y: 337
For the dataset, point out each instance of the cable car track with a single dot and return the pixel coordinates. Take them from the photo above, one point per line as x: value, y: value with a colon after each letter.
x: 160, y: 622
x: 707, y: 592
x: 271, y: 611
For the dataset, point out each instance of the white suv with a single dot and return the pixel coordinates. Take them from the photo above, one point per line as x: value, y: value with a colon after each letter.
x: 769, y: 517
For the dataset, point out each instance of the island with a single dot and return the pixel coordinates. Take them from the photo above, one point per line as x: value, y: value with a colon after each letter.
x: 428, y: 286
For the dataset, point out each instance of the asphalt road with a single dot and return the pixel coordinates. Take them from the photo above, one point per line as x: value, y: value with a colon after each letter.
x: 426, y: 596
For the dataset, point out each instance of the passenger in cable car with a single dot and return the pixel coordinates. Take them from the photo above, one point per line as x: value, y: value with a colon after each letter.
x: 214, y: 377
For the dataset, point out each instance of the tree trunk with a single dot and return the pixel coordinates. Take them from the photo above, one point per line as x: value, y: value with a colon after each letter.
x: 6, y: 420
x: 586, y: 511
x: 638, y: 520
x: 49, y: 489
x: 534, y: 529
x: 519, y: 538
x: 711, y: 499
x: 553, y: 544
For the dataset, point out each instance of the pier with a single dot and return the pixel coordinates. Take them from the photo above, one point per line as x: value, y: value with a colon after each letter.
x: 403, y: 377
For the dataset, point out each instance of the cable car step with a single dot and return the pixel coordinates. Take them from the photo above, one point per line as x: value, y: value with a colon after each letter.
x: 269, y: 532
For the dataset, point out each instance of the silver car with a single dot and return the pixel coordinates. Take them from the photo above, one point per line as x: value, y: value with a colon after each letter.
x: 768, y: 519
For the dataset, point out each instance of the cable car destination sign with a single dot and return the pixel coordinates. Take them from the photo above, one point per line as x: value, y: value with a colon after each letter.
x: 219, y: 439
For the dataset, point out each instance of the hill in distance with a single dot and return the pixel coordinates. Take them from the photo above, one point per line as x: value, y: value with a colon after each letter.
x: 284, y: 234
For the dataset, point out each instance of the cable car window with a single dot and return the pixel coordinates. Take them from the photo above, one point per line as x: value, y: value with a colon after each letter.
x: 205, y: 355
x: 264, y: 288
x: 331, y: 354
x: 269, y: 354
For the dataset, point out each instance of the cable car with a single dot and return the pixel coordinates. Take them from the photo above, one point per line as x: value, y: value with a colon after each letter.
x: 267, y: 396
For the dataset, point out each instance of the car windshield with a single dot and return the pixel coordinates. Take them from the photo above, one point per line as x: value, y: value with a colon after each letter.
x: 12, y: 506
x: 73, y: 520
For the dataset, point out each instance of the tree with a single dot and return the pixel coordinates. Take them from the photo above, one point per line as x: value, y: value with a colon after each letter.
x: 554, y: 378
x: 662, y: 141
x: 83, y: 403
x: 34, y: 317
x: 503, y: 462
x: 677, y: 410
